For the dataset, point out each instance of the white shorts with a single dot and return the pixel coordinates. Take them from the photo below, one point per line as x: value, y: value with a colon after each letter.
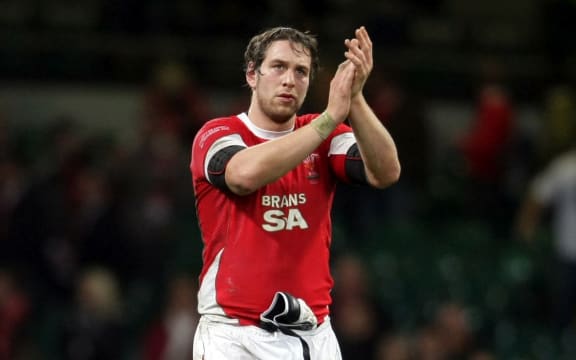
x: 221, y: 341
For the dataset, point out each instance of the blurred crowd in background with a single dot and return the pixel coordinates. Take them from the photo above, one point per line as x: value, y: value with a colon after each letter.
x: 100, y: 249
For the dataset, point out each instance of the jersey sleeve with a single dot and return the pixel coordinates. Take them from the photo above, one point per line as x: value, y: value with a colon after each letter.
x: 344, y: 156
x: 213, y: 137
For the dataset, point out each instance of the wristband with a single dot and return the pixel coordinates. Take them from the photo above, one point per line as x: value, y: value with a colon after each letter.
x: 324, y: 125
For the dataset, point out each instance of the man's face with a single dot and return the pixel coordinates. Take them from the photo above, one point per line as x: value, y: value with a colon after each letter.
x: 281, y: 83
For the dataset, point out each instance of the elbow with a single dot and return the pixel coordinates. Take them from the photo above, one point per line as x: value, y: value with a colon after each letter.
x: 388, y: 177
x: 392, y: 176
x: 241, y: 190
x: 241, y: 182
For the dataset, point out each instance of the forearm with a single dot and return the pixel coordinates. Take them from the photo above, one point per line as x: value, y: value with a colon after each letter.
x: 256, y: 166
x: 375, y: 143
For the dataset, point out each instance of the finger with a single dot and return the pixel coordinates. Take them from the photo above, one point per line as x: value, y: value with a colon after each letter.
x: 354, y: 53
x: 350, y: 67
x: 342, y: 66
x: 345, y: 66
x: 356, y: 48
x: 345, y: 73
x: 365, y: 44
x: 348, y: 76
x: 354, y: 43
x: 353, y: 59
x: 357, y: 59
x: 363, y: 37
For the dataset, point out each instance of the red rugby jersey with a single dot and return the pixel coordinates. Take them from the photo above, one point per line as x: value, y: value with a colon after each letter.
x: 275, y: 239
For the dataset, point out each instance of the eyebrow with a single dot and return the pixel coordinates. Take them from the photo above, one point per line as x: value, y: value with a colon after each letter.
x: 298, y: 66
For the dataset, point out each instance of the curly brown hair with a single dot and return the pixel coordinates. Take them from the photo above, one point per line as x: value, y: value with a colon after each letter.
x: 259, y: 44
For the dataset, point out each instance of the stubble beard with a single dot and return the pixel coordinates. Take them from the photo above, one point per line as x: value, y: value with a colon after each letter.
x: 279, y: 114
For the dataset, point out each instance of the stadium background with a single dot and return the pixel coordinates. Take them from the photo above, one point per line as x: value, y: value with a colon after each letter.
x: 99, y: 100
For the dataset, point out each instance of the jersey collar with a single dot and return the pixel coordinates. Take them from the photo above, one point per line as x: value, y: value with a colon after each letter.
x: 261, y: 133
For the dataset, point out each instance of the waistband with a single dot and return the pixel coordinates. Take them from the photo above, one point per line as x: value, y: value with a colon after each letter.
x: 228, y: 321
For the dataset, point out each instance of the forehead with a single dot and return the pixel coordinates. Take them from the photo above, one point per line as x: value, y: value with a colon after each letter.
x: 284, y: 50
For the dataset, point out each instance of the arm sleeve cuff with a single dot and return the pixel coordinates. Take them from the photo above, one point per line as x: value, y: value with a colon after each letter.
x: 354, y: 166
x: 216, y: 169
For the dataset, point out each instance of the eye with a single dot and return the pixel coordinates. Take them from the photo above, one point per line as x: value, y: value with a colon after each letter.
x: 302, y: 72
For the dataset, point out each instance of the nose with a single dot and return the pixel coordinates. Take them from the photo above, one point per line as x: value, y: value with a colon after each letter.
x: 288, y: 78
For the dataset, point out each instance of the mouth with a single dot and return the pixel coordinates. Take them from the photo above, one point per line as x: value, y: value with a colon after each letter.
x: 287, y: 97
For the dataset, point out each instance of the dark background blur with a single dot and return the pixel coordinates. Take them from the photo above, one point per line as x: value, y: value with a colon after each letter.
x: 99, y: 103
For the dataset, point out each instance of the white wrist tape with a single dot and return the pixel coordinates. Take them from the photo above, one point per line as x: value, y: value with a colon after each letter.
x: 324, y: 125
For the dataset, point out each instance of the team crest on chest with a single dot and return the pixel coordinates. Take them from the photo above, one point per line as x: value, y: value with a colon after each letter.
x: 311, y: 164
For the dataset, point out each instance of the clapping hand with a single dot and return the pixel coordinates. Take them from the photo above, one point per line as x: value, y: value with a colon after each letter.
x: 360, y: 54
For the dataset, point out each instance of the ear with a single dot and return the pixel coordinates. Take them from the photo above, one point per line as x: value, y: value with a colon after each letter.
x: 251, y: 75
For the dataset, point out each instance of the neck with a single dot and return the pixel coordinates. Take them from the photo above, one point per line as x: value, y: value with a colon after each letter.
x: 264, y: 122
